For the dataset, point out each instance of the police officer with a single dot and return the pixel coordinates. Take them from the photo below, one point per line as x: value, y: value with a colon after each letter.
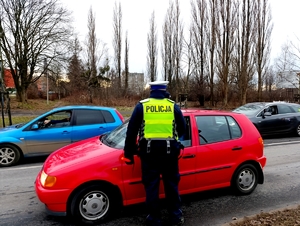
x: 159, y: 123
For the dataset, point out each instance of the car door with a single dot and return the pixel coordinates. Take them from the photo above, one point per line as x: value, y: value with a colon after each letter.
x: 87, y: 123
x: 132, y: 176
x: 215, y: 155
x: 132, y: 181
x: 286, y: 115
x: 187, y: 159
x: 267, y: 124
x: 44, y: 140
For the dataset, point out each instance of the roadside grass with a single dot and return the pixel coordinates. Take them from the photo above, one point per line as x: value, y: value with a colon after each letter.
x: 16, y: 120
x: 33, y: 108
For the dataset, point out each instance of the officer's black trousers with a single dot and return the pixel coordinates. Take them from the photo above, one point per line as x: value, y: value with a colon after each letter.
x: 166, y: 165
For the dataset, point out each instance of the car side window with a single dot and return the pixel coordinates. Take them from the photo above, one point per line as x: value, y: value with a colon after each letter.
x: 272, y: 109
x: 186, y: 139
x: 88, y: 117
x: 56, y: 120
x: 284, y: 109
x: 213, y: 129
x: 234, y: 128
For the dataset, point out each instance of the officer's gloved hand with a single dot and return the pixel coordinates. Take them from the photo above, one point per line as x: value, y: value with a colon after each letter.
x: 128, y: 160
x: 181, y: 146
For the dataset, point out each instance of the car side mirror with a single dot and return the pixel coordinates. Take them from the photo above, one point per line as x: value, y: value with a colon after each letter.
x: 267, y: 113
x: 35, y: 127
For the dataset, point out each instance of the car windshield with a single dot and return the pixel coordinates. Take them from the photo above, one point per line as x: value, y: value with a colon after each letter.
x: 116, y: 138
x: 248, y: 109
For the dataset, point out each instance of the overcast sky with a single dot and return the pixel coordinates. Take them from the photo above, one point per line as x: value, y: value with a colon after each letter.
x: 137, y: 13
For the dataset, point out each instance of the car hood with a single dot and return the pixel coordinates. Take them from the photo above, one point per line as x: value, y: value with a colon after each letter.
x: 76, y: 154
x: 12, y: 127
x: 248, y: 114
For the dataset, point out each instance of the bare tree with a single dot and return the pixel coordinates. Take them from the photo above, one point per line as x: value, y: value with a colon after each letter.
x: 226, y: 41
x: 32, y: 31
x: 177, y: 48
x: 188, y: 63
x: 288, y: 66
x: 126, y: 59
x: 199, y: 40
x: 152, y: 50
x: 213, y: 21
x: 117, y: 40
x: 92, y: 58
x: 172, y: 47
x: 263, y: 38
x: 164, y: 51
x: 75, y: 69
x: 244, y: 65
x: 167, y: 55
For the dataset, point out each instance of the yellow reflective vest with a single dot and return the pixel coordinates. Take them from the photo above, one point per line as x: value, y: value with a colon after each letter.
x: 159, y: 119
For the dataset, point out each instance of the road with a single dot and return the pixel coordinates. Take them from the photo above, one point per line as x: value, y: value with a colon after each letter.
x: 20, y: 206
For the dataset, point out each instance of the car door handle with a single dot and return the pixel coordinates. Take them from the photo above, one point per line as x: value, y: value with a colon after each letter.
x: 237, y: 148
x: 188, y: 156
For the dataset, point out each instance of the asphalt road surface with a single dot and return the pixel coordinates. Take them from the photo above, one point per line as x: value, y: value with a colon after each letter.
x: 19, y: 204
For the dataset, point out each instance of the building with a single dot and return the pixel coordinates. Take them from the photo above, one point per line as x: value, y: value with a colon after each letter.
x: 136, y: 84
x: 8, y: 79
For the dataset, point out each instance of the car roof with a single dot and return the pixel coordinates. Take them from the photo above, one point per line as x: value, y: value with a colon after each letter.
x: 269, y: 103
x: 206, y: 112
x: 69, y: 107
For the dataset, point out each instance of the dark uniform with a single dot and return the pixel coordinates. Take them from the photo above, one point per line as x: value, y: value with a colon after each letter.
x: 158, y: 157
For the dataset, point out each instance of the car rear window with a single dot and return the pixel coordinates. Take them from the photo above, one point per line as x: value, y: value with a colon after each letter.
x: 213, y: 129
x: 296, y: 107
x: 108, y: 117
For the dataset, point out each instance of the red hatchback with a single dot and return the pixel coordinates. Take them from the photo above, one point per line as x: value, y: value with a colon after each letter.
x: 89, y: 181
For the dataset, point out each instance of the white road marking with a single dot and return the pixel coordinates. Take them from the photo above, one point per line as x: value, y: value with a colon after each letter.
x: 22, y: 168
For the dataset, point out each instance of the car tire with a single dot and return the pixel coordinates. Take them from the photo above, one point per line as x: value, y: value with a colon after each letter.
x: 9, y: 155
x: 298, y: 131
x: 94, y: 204
x: 245, y: 179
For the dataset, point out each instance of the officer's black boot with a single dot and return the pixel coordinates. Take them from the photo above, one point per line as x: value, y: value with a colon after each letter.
x: 152, y: 221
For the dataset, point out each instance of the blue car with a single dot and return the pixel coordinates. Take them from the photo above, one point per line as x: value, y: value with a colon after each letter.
x: 55, y: 129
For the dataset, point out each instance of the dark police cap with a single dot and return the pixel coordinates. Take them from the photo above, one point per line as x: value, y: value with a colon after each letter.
x: 162, y: 85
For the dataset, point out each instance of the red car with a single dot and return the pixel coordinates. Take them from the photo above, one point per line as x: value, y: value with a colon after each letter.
x: 89, y: 180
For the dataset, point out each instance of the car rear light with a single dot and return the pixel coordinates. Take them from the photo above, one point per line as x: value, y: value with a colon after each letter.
x: 120, y: 116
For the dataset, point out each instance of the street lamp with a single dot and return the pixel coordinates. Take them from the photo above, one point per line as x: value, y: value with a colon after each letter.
x: 47, y: 88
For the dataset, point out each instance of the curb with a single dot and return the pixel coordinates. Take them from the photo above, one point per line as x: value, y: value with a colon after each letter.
x: 251, y: 217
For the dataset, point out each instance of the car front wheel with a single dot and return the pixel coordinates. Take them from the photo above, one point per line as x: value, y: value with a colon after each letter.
x: 245, y: 179
x: 93, y: 204
x: 9, y: 155
x: 298, y: 131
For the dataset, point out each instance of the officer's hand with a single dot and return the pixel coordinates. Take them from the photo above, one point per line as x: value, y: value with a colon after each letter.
x: 128, y: 161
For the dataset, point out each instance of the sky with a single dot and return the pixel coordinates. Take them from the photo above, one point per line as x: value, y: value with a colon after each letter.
x: 137, y: 13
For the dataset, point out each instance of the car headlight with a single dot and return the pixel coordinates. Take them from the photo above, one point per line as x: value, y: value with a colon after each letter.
x: 47, y: 180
